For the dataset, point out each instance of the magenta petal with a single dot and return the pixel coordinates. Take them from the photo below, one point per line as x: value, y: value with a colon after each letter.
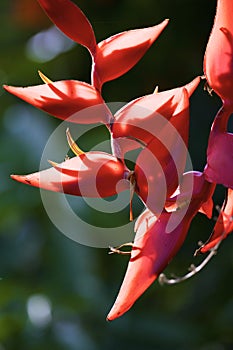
x: 93, y: 174
x: 65, y: 99
x: 119, y: 53
x: 71, y: 21
x: 219, y: 168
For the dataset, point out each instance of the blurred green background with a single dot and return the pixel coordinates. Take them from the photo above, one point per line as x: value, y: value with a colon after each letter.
x: 55, y: 293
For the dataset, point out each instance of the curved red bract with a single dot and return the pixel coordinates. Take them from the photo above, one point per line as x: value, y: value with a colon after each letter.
x: 154, y: 247
x: 93, y: 174
x: 68, y: 99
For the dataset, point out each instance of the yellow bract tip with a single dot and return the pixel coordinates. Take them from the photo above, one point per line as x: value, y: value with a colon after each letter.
x: 73, y: 145
x: 54, y: 164
x: 45, y: 79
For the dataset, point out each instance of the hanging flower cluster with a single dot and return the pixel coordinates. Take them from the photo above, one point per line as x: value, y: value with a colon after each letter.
x: 158, y: 124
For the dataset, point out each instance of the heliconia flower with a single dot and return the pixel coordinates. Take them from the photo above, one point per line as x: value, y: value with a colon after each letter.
x: 218, y: 64
x: 223, y: 226
x: 154, y: 247
x: 68, y: 99
x: 111, y: 57
x: 145, y: 117
x: 219, y: 168
x: 161, y: 164
x: 92, y: 174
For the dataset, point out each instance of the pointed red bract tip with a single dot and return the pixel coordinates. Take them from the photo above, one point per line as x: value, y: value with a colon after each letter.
x: 155, y: 243
x: 192, y: 86
x: 119, y: 53
x: 152, y: 250
x: 21, y: 178
x: 68, y: 99
x: 112, y: 57
x: 93, y: 174
x: 71, y: 21
x: 145, y: 117
x: 223, y: 226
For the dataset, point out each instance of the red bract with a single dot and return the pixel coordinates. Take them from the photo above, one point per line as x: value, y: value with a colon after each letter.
x: 154, y: 245
x: 111, y: 57
x: 92, y: 174
x: 223, y: 226
x: 219, y: 168
x: 159, y: 124
x: 152, y: 250
x: 138, y: 118
x: 161, y: 164
x: 65, y: 99
x: 218, y: 64
x: 71, y: 21
x: 118, y: 54
x: 146, y: 117
x: 156, y: 176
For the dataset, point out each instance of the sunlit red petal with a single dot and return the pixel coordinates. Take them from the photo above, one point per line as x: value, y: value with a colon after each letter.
x: 145, y: 117
x: 157, y: 173
x: 119, y: 53
x: 161, y: 164
x: 152, y: 250
x: 93, y: 174
x: 193, y: 185
x: 71, y: 21
x: 65, y: 99
x: 154, y: 246
x: 218, y: 64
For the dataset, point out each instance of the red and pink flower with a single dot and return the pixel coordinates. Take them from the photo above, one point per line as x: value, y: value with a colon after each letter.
x: 157, y: 123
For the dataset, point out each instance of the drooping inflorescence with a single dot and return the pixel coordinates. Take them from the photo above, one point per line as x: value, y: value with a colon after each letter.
x: 158, y: 124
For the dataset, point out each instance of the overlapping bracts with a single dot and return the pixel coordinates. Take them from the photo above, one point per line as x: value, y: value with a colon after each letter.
x: 158, y: 124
